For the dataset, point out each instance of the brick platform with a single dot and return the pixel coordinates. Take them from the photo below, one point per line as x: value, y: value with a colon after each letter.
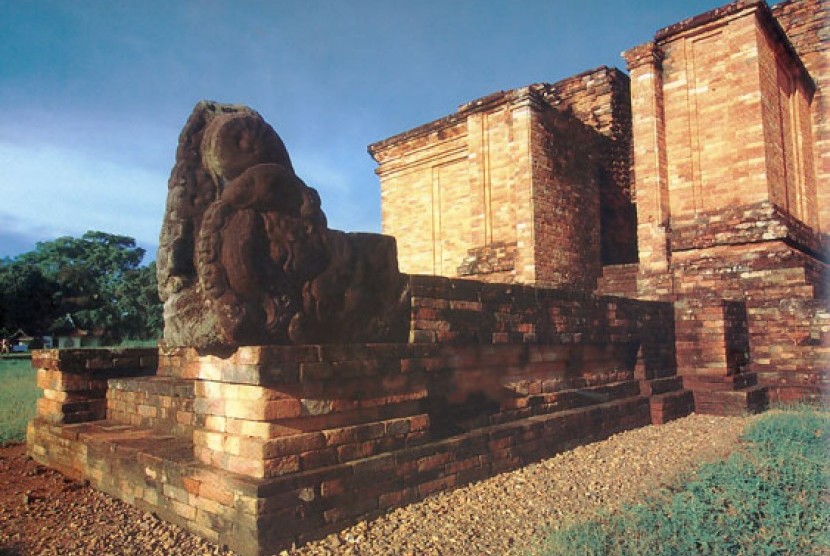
x: 271, y: 445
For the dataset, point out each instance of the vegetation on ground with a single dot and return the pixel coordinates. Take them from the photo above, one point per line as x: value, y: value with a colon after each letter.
x: 18, y: 396
x: 771, y: 496
x: 95, y: 283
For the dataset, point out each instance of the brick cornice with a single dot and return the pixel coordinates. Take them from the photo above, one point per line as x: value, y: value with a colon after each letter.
x: 753, y: 223
x: 739, y: 8
x: 646, y: 54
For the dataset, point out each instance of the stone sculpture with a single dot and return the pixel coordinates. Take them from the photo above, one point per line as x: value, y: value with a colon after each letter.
x: 245, y: 254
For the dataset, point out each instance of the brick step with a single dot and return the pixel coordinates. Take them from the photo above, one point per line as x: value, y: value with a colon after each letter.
x: 520, y: 407
x: 157, y: 473
x: 620, y: 270
x: 720, y: 382
x: 671, y: 405
x: 663, y: 385
x: 753, y: 399
x: 576, y: 398
x: 160, y: 403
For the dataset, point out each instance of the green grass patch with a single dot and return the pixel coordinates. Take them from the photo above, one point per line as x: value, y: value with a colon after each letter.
x: 139, y: 343
x: 771, y: 496
x: 18, y: 396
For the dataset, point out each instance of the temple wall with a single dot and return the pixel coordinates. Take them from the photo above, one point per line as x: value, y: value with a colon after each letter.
x: 449, y: 186
x: 714, y: 152
x: 805, y: 23
x: 727, y: 124
x: 509, y: 189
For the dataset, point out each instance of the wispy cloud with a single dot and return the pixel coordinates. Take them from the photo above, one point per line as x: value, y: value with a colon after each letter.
x: 58, y: 191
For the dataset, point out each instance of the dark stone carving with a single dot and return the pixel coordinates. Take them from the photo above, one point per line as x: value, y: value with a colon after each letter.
x: 246, y: 257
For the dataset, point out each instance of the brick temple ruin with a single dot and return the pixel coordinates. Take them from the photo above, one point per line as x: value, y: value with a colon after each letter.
x: 702, y: 178
x: 569, y: 260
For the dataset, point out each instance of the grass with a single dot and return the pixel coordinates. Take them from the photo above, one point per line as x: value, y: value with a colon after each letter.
x: 770, y: 497
x: 18, y: 395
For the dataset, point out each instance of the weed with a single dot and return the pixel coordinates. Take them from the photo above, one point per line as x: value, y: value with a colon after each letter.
x: 770, y: 497
x: 18, y: 396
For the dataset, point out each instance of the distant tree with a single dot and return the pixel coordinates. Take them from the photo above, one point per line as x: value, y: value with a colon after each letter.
x: 27, y: 298
x: 96, y: 278
x: 138, y: 304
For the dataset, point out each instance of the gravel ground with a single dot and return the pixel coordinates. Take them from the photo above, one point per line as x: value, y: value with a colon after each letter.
x: 43, y: 513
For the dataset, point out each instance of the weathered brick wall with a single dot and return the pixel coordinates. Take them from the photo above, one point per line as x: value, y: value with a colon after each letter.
x: 155, y: 403
x: 496, y: 260
x: 650, y: 187
x: 791, y: 348
x: 729, y: 169
x: 74, y: 381
x: 714, y: 108
x: 538, y: 167
x: 763, y: 256
x: 565, y: 201
x: 712, y: 111
x: 712, y: 337
x: 787, y: 91
x: 601, y: 100
x: 435, y: 157
x: 448, y: 311
x: 709, y: 133
x: 453, y: 185
x: 755, y: 251
x: 255, y: 517
x: 805, y: 23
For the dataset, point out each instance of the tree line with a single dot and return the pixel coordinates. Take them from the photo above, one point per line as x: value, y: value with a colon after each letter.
x: 94, y: 283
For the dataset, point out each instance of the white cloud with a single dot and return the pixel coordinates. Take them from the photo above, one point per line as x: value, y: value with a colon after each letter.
x: 319, y: 173
x: 347, y: 187
x: 49, y: 191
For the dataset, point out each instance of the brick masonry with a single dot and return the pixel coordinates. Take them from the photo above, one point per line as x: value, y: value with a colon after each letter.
x: 706, y: 174
x: 273, y: 445
x: 497, y: 173
x: 730, y: 160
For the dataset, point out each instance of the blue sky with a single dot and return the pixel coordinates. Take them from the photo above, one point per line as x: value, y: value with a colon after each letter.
x: 96, y: 92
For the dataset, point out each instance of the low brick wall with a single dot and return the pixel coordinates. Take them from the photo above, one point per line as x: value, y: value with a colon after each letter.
x: 791, y: 348
x: 74, y: 381
x: 267, y: 446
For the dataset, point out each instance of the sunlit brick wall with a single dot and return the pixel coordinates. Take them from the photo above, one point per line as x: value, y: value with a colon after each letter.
x: 508, y: 188
x: 807, y: 27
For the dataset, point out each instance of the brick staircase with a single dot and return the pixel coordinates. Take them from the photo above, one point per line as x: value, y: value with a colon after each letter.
x: 736, y: 394
x: 668, y: 399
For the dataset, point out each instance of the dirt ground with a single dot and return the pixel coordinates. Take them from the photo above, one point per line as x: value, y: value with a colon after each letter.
x: 44, y: 513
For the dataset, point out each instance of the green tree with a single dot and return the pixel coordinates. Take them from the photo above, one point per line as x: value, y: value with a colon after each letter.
x: 138, y: 303
x: 27, y: 298
x: 96, y: 278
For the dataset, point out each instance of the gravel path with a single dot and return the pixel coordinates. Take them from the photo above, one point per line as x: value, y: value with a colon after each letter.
x: 41, y: 513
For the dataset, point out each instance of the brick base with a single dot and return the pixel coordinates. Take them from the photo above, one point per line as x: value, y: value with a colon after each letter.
x: 158, y: 473
x: 271, y: 446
